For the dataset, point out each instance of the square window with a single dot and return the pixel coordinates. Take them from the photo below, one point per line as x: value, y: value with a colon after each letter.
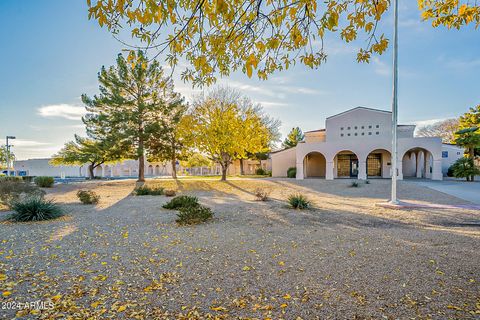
x: 369, y: 133
x: 363, y: 133
x: 363, y: 127
x: 444, y: 154
x: 341, y: 134
x: 348, y: 128
x: 378, y: 126
x: 356, y: 127
x: 356, y: 134
x: 341, y: 128
x: 348, y: 134
x: 369, y: 127
x: 377, y: 133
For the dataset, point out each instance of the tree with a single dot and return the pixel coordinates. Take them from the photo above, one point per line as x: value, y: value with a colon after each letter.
x: 293, y: 138
x: 228, y: 35
x: 3, y: 156
x: 133, y: 104
x: 465, y: 168
x: 84, y: 150
x: 444, y: 129
x: 170, y: 145
x: 224, y: 130
x: 196, y: 160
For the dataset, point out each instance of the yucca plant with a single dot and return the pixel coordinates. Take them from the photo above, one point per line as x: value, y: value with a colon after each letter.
x: 193, y: 215
x: 181, y: 202
x: 35, y: 209
x: 298, y: 201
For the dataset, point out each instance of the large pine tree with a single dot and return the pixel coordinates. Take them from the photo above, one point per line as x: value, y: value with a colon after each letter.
x: 132, y: 107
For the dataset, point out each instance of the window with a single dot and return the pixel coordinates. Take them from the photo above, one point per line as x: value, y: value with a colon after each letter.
x: 356, y: 127
x: 348, y: 134
x: 348, y: 128
x: 377, y: 126
x: 363, y: 127
x: 363, y: 133
x: 377, y: 133
x: 444, y: 154
x: 341, y: 128
x: 369, y: 127
x: 341, y: 134
x: 369, y: 133
x: 356, y: 134
x: 458, y: 153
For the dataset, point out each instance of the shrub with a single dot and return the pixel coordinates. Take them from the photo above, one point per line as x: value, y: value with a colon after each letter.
x: 35, y: 209
x: 13, y: 190
x: 465, y: 168
x: 149, y: 191
x: 170, y: 193
x: 181, y: 202
x: 298, y: 201
x: 292, y: 172
x: 261, y: 194
x: 44, y: 182
x: 260, y: 172
x: 28, y: 179
x: 354, y: 184
x: 367, y: 181
x: 450, y: 171
x: 10, y: 178
x: 193, y: 215
x: 88, y: 197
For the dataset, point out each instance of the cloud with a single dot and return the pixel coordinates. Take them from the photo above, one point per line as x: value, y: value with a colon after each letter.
x: 380, y: 67
x: 66, y: 111
x: 28, y: 143
x: 272, y: 104
x: 423, y: 123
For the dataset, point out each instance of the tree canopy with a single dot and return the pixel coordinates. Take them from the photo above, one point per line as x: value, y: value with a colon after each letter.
x: 293, y: 138
x: 445, y: 129
x: 221, y: 36
x: 133, y: 108
x: 3, y: 156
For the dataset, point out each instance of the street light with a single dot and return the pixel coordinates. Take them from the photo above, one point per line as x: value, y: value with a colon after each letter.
x: 8, y: 153
x: 394, y: 199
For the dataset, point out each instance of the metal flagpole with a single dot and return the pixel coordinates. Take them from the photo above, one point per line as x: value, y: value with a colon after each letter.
x: 394, y: 199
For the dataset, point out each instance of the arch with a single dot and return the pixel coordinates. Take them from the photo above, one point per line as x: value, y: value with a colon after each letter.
x: 157, y: 170
x: 107, y: 171
x: 346, y: 164
x: 98, y: 171
x: 150, y: 170
x: 378, y: 163
x: 314, y: 165
x: 417, y: 162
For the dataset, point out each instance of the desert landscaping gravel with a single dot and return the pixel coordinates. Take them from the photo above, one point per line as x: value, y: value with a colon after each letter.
x: 343, y: 259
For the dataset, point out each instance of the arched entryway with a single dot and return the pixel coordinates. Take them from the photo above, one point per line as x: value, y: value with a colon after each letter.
x: 379, y: 164
x: 417, y: 163
x: 314, y: 165
x: 150, y: 170
x: 346, y: 164
x: 157, y: 170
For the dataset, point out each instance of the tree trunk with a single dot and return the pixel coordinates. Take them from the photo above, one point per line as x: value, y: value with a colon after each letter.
x: 174, y: 167
x: 90, y: 171
x: 224, y: 172
x: 242, y: 170
x: 471, y: 155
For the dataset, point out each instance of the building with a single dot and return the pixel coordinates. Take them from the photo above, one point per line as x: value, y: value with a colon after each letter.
x: 357, y: 144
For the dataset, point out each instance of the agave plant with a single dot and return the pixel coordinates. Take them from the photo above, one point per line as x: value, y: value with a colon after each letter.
x: 35, y: 209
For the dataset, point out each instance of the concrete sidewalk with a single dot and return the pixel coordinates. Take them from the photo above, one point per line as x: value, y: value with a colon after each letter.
x: 469, y: 191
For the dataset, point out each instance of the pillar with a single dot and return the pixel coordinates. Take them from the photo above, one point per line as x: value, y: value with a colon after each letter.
x: 400, y: 170
x: 300, y: 173
x: 329, y: 171
x: 428, y: 174
x: 419, y: 163
x: 103, y: 171
x: 437, y: 170
x: 362, y: 170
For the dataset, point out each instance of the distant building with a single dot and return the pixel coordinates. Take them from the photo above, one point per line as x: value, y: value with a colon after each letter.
x: 357, y: 144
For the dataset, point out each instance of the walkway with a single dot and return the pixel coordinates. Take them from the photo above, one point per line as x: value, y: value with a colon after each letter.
x: 469, y: 191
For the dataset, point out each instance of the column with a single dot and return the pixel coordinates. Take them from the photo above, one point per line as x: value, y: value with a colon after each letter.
x: 437, y: 170
x: 300, y: 174
x: 103, y: 171
x: 428, y: 174
x: 329, y: 171
x: 418, y: 156
x: 400, y: 170
x: 362, y: 170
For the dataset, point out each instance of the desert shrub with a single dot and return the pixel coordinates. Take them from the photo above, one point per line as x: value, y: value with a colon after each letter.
x: 450, y: 171
x: 292, y: 172
x: 465, y: 168
x: 88, y: 197
x: 354, y: 184
x: 148, y: 191
x: 28, y: 179
x: 193, y: 215
x: 298, y: 201
x: 268, y: 173
x: 367, y: 181
x: 35, y: 209
x: 44, y: 182
x: 10, y: 178
x: 260, y: 172
x: 170, y: 193
x: 181, y: 202
x: 261, y: 194
x: 13, y: 190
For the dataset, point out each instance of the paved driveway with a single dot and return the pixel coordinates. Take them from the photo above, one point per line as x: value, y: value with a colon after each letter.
x: 469, y: 191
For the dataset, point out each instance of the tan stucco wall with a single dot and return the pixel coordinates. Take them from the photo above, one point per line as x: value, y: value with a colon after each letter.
x: 283, y: 160
x: 315, y: 165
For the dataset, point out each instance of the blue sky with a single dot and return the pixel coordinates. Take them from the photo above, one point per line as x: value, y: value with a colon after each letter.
x: 51, y: 54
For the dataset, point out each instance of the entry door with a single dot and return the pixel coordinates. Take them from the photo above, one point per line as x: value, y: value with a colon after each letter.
x: 353, y: 168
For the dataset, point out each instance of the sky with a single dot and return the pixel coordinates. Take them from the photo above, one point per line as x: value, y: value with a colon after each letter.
x: 51, y: 53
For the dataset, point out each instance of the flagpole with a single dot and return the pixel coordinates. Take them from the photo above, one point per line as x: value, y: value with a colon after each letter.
x: 394, y: 199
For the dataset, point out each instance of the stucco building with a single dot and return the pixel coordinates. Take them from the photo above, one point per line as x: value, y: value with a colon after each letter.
x: 357, y: 144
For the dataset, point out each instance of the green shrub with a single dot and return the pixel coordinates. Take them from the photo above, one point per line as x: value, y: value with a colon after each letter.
x: 260, y: 172
x: 367, y: 181
x: 465, y: 168
x: 10, y: 178
x: 149, y: 191
x: 450, y: 171
x: 35, y: 209
x: 354, y: 184
x: 298, y: 201
x: 261, y: 194
x: 292, y: 172
x: 44, y: 182
x: 28, y: 178
x: 193, y: 215
x: 13, y: 190
x: 181, y: 202
x: 88, y: 197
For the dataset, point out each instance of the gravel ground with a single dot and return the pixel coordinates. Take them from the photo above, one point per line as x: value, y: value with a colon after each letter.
x: 343, y: 259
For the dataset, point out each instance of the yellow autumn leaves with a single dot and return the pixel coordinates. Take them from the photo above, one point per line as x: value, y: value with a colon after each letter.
x: 450, y: 13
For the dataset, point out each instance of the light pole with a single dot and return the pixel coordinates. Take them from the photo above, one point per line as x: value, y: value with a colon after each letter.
x: 8, y: 154
x: 394, y: 199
